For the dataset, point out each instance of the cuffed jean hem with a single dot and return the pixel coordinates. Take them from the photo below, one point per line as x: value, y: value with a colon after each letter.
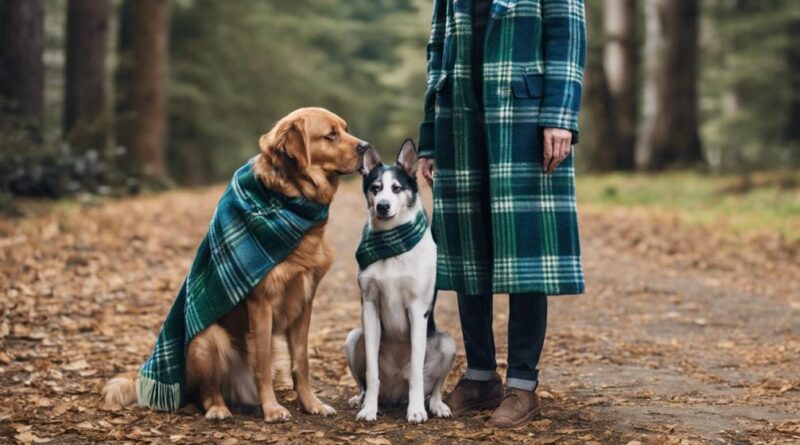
x: 479, y: 375
x: 525, y: 385
x: 522, y: 375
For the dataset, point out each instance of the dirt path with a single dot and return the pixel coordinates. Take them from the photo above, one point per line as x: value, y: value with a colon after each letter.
x: 686, y: 335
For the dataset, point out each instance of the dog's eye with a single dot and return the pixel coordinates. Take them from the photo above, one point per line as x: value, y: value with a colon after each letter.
x: 396, y: 189
x: 375, y: 189
x: 331, y: 136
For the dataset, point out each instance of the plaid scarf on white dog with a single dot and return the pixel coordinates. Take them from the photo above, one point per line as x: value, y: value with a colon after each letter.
x: 384, y: 244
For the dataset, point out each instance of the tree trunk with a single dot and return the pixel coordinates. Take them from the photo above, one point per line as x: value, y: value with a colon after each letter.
x: 122, y: 78
x: 620, y: 64
x: 670, y: 131
x: 144, y: 95
x: 793, y: 56
x: 600, y: 147
x: 602, y: 154
x: 21, y: 63
x: 86, y: 105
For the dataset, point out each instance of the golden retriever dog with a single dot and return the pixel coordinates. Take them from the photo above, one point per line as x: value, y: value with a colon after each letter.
x: 231, y: 361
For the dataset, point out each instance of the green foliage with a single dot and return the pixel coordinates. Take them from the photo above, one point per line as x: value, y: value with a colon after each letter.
x: 238, y: 66
x: 747, y: 83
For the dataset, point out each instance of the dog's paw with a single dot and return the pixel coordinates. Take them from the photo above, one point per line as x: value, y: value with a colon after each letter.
x: 368, y: 413
x: 218, y: 413
x: 440, y: 409
x: 321, y: 409
x: 276, y: 414
x: 356, y: 401
x: 416, y: 414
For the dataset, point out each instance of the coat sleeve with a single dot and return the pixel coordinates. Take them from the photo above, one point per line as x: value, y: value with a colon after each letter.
x: 564, y: 54
x: 435, y: 51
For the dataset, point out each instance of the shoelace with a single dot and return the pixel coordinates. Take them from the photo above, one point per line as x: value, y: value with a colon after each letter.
x: 512, y: 392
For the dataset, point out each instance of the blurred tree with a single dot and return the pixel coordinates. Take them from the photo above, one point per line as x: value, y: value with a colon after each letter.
x: 143, y: 108
x: 86, y: 104
x: 670, y: 133
x: 611, y: 85
x: 122, y: 99
x: 793, y: 62
x: 21, y: 63
x: 597, y: 121
x: 620, y: 62
x: 751, y: 84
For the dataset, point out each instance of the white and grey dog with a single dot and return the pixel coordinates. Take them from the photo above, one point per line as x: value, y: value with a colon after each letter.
x: 399, y: 355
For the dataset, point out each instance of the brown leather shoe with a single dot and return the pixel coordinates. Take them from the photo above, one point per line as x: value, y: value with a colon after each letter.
x: 471, y: 395
x: 518, y: 407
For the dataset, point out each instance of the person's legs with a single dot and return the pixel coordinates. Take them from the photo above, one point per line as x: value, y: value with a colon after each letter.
x: 480, y: 387
x: 475, y: 312
x: 527, y: 324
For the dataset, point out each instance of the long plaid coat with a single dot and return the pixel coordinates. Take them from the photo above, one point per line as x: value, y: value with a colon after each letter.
x: 500, y: 224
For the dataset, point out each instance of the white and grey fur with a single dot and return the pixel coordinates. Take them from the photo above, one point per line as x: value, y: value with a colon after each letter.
x: 396, y: 357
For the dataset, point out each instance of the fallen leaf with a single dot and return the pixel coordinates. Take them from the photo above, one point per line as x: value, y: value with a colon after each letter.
x: 29, y: 437
x: 76, y: 366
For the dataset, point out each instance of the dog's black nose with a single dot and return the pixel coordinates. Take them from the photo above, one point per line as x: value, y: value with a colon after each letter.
x: 362, y: 147
x: 382, y: 208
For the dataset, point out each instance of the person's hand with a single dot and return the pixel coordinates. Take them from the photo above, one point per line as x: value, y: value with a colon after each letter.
x: 426, y: 166
x: 557, y: 146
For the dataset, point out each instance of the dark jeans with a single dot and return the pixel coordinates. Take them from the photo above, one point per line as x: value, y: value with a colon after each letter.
x: 527, y: 323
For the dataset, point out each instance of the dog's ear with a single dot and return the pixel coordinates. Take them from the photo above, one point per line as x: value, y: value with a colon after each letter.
x: 289, y: 137
x: 407, y: 158
x: 372, y: 159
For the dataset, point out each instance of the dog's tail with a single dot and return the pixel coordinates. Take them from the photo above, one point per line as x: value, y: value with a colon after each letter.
x: 120, y: 391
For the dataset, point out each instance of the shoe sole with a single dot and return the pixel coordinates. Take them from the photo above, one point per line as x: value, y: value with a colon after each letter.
x: 519, y: 423
x: 488, y: 404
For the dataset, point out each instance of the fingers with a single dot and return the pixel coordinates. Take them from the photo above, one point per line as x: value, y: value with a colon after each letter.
x: 556, y: 149
x: 562, y: 152
x: 556, y: 155
x: 567, y: 148
x: 428, y: 175
x: 426, y: 166
x: 548, y: 151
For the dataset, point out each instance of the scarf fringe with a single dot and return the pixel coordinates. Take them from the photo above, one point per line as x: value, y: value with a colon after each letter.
x: 157, y: 395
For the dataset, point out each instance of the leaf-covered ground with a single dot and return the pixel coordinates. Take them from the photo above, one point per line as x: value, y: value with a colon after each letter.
x: 686, y: 334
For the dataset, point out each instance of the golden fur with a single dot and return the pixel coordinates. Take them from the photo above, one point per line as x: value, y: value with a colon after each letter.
x: 232, y: 360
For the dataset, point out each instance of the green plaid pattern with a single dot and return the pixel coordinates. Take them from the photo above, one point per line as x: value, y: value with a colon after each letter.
x: 379, y: 245
x: 252, y: 230
x: 500, y: 224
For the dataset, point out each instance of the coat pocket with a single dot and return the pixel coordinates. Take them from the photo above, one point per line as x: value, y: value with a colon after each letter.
x: 528, y: 86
